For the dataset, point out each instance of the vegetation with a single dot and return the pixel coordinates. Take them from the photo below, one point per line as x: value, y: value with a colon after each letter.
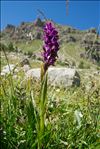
x: 83, y: 65
x: 72, y: 117
x: 9, y: 47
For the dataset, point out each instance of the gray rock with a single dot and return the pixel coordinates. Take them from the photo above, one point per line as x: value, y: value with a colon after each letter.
x: 8, y: 69
x: 25, y: 68
x: 57, y: 76
x: 14, y: 69
x: 88, y: 38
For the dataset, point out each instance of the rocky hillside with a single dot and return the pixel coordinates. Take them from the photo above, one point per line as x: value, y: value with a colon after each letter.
x: 30, y: 31
x: 75, y: 45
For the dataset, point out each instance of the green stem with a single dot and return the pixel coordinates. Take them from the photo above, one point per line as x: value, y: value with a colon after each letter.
x: 42, y: 110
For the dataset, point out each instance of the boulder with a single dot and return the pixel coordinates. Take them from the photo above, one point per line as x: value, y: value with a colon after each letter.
x: 8, y: 68
x: 25, y: 68
x: 57, y: 76
x: 14, y: 69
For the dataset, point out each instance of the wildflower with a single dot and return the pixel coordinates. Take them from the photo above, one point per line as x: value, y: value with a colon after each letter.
x: 51, y: 45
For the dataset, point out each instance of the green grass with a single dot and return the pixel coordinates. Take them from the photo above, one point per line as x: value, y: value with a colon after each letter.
x: 72, y: 114
x: 68, y: 51
x: 64, y: 127
x: 71, y: 52
x: 32, y: 46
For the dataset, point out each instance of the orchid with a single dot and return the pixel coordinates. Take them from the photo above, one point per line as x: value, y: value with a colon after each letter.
x: 51, y: 45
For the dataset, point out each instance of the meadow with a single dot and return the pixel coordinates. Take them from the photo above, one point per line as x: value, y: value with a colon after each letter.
x: 37, y: 115
x: 72, y: 115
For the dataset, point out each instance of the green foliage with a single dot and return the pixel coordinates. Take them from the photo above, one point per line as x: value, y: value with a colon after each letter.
x: 72, y: 117
x: 68, y: 119
x: 10, y: 47
x: 3, y: 46
x: 42, y: 111
x: 83, y: 65
x: 61, y: 63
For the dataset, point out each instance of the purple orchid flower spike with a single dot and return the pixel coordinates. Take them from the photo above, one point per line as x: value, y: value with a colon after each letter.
x: 51, y: 45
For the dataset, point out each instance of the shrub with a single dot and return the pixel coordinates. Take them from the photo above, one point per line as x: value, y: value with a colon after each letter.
x: 81, y: 65
x: 3, y: 47
x: 10, y: 47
